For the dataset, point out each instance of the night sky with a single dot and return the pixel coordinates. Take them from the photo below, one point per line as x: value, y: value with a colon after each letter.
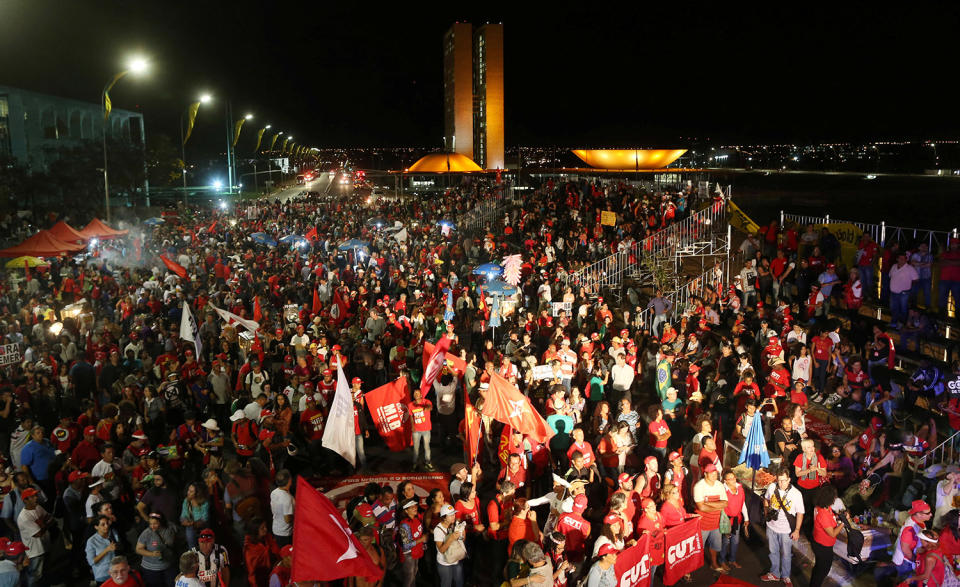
x: 348, y: 74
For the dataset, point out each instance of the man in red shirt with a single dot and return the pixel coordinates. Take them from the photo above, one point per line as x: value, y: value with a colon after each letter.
x: 244, y: 434
x: 575, y: 529
x: 419, y: 410
x: 581, y: 446
x: 515, y: 473
x: 499, y: 514
x: 86, y: 454
x: 659, y: 431
x: 821, y: 345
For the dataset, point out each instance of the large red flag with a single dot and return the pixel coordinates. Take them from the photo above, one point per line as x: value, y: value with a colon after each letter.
x: 175, y: 267
x: 316, y: 302
x: 257, y: 310
x: 504, y: 403
x: 684, y: 550
x: 471, y: 430
x: 633, y: 564
x: 311, y: 234
x: 387, y: 405
x: 324, y: 548
x: 459, y: 365
x: 338, y: 310
x: 431, y: 370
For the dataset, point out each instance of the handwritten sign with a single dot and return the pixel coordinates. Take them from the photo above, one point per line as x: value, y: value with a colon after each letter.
x: 541, y: 372
x: 608, y: 218
x: 557, y: 307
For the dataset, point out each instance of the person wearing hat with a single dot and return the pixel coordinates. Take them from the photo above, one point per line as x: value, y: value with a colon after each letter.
x: 214, y: 563
x: 412, y: 538
x: 13, y: 563
x: 576, y: 529
x: 602, y: 572
x: 33, y: 524
x: 245, y: 435
x: 908, y: 538
x: 75, y: 522
x: 210, y: 444
x: 447, y: 532
x: 280, y: 575
x: 710, y: 499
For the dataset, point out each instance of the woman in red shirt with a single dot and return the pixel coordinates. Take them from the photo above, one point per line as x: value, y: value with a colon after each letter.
x: 651, y: 522
x: 672, y: 510
x: 736, y: 511
x: 825, y: 531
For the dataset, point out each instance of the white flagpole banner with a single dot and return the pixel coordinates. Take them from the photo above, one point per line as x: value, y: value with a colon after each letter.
x: 338, y: 435
x: 189, y: 329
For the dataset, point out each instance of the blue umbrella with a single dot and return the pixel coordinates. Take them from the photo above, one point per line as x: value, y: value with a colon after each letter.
x: 494, y: 313
x: 499, y: 288
x: 754, y: 452
x: 489, y: 270
x: 153, y: 221
x: 294, y: 240
x: 353, y: 243
x: 263, y: 239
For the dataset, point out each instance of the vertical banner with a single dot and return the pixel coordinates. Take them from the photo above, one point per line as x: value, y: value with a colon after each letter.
x: 236, y: 130
x: 739, y: 219
x: 387, y: 405
x: 633, y: 564
x: 259, y: 138
x: 684, y: 548
x: 471, y: 431
x: 191, y: 119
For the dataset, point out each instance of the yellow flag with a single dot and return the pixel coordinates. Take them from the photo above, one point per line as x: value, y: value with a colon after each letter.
x: 107, y: 104
x: 273, y: 141
x: 283, y: 149
x: 739, y: 219
x: 191, y: 119
x: 236, y: 130
x: 259, y: 138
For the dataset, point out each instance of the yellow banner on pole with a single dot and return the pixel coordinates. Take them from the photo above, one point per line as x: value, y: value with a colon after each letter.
x: 283, y: 149
x: 259, y: 138
x: 608, y: 218
x: 273, y: 141
x: 740, y: 220
x: 191, y: 118
x: 236, y: 130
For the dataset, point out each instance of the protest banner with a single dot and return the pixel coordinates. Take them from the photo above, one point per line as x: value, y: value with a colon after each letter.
x: 9, y: 354
x: 633, y: 564
x: 608, y: 218
x: 684, y: 551
x: 557, y: 307
x: 541, y: 372
x: 388, y: 408
x: 848, y: 235
x: 340, y: 490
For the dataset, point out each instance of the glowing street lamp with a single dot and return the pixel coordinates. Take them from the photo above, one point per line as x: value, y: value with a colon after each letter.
x: 136, y: 65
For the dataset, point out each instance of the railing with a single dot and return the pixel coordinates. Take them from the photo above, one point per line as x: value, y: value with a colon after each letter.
x: 484, y: 214
x: 715, y: 278
x: 883, y: 232
x: 708, y: 189
x: 942, y: 448
x: 610, y: 271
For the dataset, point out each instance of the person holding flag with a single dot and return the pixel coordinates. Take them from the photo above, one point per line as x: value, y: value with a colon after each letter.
x: 419, y: 410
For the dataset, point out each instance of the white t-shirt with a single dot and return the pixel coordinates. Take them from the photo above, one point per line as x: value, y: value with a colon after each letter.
x: 281, y: 504
x: 29, y: 524
x: 92, y: 500
x: 792, y: 503
x: 439, y: 535
x: 188, y: 582
x: 701, y: 491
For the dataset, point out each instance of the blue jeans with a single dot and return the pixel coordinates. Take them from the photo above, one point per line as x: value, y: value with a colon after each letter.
x: 416, y: 446
x: 361, y: 453
x: 898, y: 306
x: 451, y: 575
x: 781, y: 553
x: 866, y: 279
x: 820, y: 375
x: 728, y: 544
x: 921, y: 286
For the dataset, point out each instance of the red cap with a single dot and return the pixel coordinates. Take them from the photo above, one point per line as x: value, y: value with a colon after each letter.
x: 76, y: 476
x: 328, y: 372
x: 356, y: 380
x: 673, y: 455
x: 279, y: 332
x: 15, y: 549
x: 207, y: 535
x: 308, y: 384
x: 29, y: 492
x: 89, y: 430
x: 265, y: 434
x: 139, y: 435
x: 286, y: 551
x: 649, y: 459
x: 623, y: 478
x: 287, y: 358
x: 580, y: 503
x: 606, y: 549
x: 264, y: 414
x: 612, y: 518
x: 336, y: 347
x: 918, y: 506
x: 710, y: 468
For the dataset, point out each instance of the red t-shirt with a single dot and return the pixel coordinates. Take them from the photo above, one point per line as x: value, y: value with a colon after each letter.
x: 824, y: 518
x: 420, y: 413
x: 672, y: 515
x: 312, y: 421
x: 805, y: 481
x: 658, y: 427
x: 655, y: 528
x: 821, y: 347
x: 948, y: 273
x: 575, y: 529
x: 497, y: 513
x: 469, y: 512
x: 585, y: 449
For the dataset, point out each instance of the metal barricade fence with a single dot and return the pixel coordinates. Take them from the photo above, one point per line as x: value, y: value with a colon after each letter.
x: 609, y: 271
x: 715, y: 277
x: 881, y: 233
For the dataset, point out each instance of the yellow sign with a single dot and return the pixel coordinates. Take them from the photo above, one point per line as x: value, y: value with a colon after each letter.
x: 849, y: 236
x: 608, y: 218
x: 740, y: 220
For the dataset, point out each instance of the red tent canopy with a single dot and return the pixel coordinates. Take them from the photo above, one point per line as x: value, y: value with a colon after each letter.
x: 97, y: 229
x: 42, y: 244
x: 66, y: 233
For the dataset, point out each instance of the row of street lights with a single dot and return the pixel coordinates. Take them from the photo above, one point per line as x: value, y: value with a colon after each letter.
x: 138, y: 66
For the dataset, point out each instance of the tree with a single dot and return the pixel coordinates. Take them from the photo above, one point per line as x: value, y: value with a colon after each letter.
x: 164, y: 165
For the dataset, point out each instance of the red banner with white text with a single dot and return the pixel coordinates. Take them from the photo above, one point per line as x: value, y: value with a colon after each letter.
x: 633, y: 564
x: 684, y: 551
x: 340, y: 490
x: 387, y: 405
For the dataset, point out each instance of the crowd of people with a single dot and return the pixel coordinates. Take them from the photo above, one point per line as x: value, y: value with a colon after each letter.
x: 135, y: 457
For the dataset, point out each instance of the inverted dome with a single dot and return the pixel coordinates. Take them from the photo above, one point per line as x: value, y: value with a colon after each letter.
x: 444, y: 163
x: 629, y: 158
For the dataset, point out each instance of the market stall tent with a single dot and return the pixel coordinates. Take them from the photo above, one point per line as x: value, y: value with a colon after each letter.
x: 67, y: 233
x: 97, y: 229
x: 42, y: 244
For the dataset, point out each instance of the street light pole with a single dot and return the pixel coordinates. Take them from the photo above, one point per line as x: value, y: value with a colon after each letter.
x: 136, y: 66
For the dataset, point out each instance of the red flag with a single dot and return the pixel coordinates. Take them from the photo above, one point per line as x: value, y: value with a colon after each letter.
x: 459, y: 365
x: 316, y: 521
x: 503, y: 449
x: 387, y: 405
x: 471, y: 430
x: 311, y: 234
x: 212, y: 226
x: 175, y: 267
x: 633, y: 564
x: 338, y: 311
x: 257, y: 311
x: 504, y: 403
x: 684, y: 551
x: 316, y: 302
x: 432, y: 367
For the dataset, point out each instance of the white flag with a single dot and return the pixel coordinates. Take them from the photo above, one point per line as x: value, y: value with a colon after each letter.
x: 338, y: 435
x: 189, y: 329
x: 232, y: 318
x: 401, y: 235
